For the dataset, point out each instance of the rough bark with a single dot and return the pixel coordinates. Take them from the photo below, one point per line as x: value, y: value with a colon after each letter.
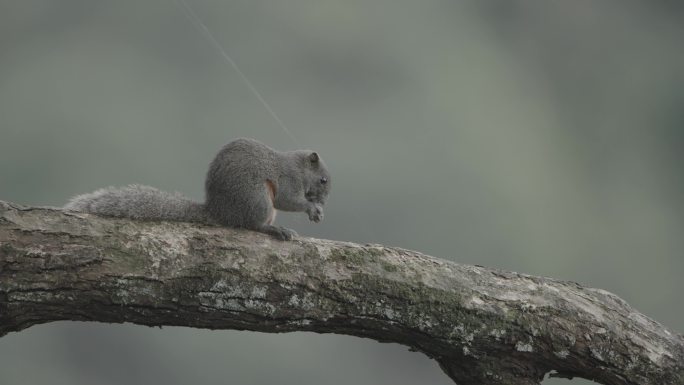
x: 483, y: 326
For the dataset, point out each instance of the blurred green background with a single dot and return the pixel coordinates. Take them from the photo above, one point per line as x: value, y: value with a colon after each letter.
x: 535, y: 136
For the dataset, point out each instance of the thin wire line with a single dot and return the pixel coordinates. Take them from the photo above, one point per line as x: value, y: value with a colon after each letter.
x: 197, y: 23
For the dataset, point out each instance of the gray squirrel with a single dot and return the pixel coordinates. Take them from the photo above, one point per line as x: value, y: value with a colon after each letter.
x: 246, y: 183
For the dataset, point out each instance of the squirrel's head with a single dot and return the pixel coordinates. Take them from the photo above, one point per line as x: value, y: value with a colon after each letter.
x: 316, y: 178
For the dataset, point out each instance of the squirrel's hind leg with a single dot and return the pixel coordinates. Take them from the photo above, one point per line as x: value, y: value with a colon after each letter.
x: 264, y: 214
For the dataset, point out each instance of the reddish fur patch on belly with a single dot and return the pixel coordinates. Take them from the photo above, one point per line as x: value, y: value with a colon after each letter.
x: 271, y: 189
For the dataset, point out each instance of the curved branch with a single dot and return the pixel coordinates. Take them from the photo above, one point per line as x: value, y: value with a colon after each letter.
x: 483, y: 326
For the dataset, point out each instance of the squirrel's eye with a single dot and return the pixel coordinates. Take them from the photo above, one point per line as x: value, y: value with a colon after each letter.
x: 324, y: 180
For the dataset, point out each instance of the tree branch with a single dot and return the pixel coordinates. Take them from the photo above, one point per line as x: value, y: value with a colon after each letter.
x: 483, y: 326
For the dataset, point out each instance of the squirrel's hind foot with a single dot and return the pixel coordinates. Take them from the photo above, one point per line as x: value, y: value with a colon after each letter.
x: 282, y: 233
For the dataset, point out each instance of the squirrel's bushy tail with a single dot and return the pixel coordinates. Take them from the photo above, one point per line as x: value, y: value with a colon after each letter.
x: 139, y: 202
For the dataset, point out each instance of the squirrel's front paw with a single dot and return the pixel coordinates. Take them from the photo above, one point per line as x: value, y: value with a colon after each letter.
x: 315, y: 212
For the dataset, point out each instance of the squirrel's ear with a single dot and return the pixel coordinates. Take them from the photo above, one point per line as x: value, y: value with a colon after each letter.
x: 313, y: 157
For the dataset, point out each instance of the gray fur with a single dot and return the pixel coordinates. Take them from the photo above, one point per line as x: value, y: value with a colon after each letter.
x: 139, y: 202
x: 236, y: 190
